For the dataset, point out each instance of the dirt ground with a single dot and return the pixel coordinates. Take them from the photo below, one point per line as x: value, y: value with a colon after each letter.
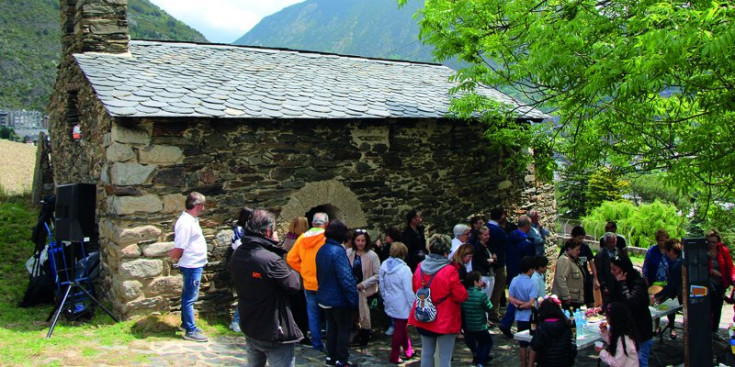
x: 17, y: 162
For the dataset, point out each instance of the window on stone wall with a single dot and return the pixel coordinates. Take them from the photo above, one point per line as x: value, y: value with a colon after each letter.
x: 72, y: 115
x: 71, y: 6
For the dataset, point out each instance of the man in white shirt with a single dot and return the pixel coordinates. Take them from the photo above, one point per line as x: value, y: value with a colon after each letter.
x: 190, y: 252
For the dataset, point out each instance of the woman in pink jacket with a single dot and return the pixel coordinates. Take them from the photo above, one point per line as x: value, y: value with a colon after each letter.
x: 622, y: 349
x: 447, y: 294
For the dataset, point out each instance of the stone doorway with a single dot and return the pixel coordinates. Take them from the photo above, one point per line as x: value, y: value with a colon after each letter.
x: 331, y: 197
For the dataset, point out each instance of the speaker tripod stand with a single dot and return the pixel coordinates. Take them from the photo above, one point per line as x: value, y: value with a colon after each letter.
x: 71, y: 267
x: 73, y: 285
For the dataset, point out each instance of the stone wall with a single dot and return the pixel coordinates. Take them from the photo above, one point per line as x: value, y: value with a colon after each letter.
x: 43, y: 175
x: 370, y: 172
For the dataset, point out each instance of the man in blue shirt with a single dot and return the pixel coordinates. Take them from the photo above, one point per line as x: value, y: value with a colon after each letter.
x: 519, y: 247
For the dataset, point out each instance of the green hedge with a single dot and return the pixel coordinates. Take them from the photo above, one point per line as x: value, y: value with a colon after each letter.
x: 638, y: 223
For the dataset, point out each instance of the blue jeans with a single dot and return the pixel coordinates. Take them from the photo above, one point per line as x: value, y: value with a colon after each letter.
x: 189, y: 295
x: 236, y: 316
x: 275, y: 354
x: 644, y: 351
x: 510, y: 316
x: 313, y: 312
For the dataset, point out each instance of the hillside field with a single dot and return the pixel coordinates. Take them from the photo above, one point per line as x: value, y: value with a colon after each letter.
x: 17, y: 161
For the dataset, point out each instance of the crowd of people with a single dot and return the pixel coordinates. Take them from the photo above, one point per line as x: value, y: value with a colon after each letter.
x: 439, y: 287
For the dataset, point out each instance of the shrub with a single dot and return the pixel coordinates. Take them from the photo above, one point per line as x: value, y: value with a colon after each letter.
x: 638, y: 223
x: 604, y: 185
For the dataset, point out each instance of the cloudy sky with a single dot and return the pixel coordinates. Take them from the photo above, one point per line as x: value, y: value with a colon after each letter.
x: 222, y: 21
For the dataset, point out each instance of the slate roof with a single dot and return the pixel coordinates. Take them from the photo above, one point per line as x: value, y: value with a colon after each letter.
x: 163, y: 79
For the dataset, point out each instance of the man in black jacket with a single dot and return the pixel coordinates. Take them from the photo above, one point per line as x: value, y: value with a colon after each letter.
x: 263, y: 282
x: 605, y: 280
x: 413, y: 238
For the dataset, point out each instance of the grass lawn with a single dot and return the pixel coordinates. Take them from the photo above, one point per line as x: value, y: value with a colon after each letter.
x: 98, y: 341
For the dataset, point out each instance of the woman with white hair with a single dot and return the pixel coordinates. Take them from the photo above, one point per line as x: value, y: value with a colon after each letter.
x: 461, y: 235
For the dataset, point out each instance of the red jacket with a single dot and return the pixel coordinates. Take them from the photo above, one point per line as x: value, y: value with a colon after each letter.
x: 448, y: 315
x: 726, y: 266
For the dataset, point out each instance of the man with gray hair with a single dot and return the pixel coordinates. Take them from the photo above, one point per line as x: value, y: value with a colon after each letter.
x: 461, y: 235
x: 605, y: 280
x: 264, y: 283
x: 620, y: 243
x: 302, y: 258
x: 538, y: 233
x: 190, y: 253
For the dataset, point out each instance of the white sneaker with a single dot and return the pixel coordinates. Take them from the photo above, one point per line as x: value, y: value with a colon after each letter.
x: 389, y: 331
x: 235, y: 327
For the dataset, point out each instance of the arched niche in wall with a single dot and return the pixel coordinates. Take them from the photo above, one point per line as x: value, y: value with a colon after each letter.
x: 331, y: 196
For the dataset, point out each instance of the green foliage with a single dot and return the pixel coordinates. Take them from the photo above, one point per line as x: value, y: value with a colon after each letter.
x: 572, y: 190
x: 376, y: 28
x: 639, y: 86
x: 148, y: 21
x: 30, y: 45
x: 652, y: 186
x: 638, y: 223
x: 16, y: 247
x: 8, y: 133
x: 720, y: 219
x: 604, y: 185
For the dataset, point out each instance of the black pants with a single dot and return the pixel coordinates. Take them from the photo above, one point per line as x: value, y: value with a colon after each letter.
x: 716, y: 306
x: 298, y: 308
x: 339, y: 321
x: 363, y: 337
x: 480, y: 343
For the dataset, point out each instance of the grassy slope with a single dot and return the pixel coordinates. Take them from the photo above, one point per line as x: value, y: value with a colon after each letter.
x: 23, y: 331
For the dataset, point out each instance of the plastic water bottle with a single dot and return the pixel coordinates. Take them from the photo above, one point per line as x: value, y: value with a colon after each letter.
x: 580, y: 323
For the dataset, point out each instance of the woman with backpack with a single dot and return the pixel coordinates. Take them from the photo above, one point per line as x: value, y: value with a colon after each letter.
x: 439, y: 294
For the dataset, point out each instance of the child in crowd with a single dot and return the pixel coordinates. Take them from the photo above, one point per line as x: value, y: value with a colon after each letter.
x: 622, y: 349
x: 552, y: 344
x: 397, y: 292
x: 522, y: 293
x: 539, y: 275
x: 474, y: 319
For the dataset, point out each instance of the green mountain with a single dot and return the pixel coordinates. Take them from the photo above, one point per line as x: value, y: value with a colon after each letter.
x: 371, y: 28
x: 30, y: 45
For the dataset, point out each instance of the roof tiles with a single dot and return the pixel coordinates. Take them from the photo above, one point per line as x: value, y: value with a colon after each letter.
x: 162, y: 79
